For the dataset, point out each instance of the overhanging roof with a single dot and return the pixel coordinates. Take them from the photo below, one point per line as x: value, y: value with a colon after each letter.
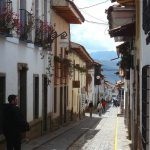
x: 124, y: 2
x: 125, y: 30
x: 68, y: 10
x: 118, y: 15
x: 122, y: 48
x: 81, y: 51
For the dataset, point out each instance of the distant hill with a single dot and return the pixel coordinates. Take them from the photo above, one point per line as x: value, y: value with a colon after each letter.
x: 109, y: 66
x: 104, y: 55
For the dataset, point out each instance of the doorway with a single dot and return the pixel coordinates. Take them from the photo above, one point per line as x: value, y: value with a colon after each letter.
x: 61, y: 105
x: 2, y: 96
x: 44, y: 92
x: 22, y: 92
x: 65, y: 103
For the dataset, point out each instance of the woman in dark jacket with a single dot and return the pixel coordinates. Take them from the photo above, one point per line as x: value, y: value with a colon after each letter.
x: 13, y: 123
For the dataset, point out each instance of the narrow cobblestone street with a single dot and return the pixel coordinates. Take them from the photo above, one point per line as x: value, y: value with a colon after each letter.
x: 109, y: 134
x: 97, y: 133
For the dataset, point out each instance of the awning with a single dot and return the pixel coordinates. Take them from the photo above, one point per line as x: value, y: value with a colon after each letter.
x: 125, y: 30
x: 68, y: 11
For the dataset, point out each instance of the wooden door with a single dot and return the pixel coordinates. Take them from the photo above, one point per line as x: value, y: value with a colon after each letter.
x: 23, y: 91
x: 44, y: 82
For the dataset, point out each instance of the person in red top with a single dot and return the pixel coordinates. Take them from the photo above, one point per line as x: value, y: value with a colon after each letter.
x: 104, y: 105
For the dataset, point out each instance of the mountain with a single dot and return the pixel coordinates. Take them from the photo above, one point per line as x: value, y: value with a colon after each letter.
x: 109, y: 66
x: 104, y: 55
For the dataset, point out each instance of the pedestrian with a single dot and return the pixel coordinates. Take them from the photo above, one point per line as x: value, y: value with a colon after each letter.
x: 99, y: 108
x: 86, y: 104
x: 98, y: 101
x: 91, y: 108
x: 104, y: 105
x: 13, y: 123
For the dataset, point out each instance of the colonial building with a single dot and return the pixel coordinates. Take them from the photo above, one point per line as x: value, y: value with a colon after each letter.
x: 63, y: 14
x: 98, y: 82
x: 33, y: 36
x: 135, y: 69
x: 80, y: 82
x: 24, y: 48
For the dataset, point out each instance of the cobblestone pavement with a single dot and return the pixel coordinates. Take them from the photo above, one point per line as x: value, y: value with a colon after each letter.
x: 63, y: 137
x: 63, y: 141
x: 109, y: 134
x: 97, y: 133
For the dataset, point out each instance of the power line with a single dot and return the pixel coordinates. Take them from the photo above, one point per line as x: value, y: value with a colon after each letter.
x: 96, y: 22
x: 93, y: 5
x: 93, y: 16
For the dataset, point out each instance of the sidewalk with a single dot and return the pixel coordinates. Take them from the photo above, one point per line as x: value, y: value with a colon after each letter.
x: 97, y: 133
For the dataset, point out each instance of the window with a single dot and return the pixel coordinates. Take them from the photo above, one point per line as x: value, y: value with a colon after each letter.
x: 67, y: 95
x: 36, y: 9
x: 45, y: 10
x: 2, y: 96
x: 146, y: 20
x: 61, y: 52
x: 35, y: 96
x: 145, y: 106
x: 56, y: 72
x: 55, y: 100
x: 55, y: 46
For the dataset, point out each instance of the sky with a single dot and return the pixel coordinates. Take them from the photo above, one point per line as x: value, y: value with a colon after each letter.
x: 93, y: 36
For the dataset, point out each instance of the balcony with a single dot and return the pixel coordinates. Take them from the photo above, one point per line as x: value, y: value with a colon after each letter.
x: 6, y: 17
x: 26, y: 25
x: 44, y: 34
x: 125, y: 30
x: 67, y: 10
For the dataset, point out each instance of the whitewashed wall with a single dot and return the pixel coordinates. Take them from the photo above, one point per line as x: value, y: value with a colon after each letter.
x: 144, y: 52
x: 91, y: 88
x: 11, y: 54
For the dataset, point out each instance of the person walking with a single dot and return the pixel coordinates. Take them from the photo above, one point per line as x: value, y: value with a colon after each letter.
x: 13, y: 123
x: 91, y: 108
x: 104, y: 105
x: 99, y: 108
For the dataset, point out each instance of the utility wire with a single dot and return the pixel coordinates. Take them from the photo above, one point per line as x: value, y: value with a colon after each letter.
x: 96, y: 22
x: 94, y: 5
x: 93, y: 16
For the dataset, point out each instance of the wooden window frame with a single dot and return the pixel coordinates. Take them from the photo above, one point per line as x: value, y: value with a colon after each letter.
x: 55, y: 99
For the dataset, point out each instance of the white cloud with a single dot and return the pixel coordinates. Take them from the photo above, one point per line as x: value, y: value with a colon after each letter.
x: 95, y: 37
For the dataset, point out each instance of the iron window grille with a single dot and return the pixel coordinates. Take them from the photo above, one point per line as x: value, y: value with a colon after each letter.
x: 145, y: 106
x: 26, y: 25
x: 6, y: 17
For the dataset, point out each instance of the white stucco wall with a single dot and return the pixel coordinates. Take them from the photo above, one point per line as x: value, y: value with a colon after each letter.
x: 10, y: 55
x: 144, y: 51
x: 91, y: 88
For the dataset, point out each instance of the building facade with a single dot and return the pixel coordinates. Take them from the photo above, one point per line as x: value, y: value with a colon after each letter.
x: 34, y: 38
x: 136, y: 73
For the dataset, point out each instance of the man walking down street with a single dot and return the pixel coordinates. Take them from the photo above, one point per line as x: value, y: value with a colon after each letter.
x: 13, y: 123
x: 91, y: 108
